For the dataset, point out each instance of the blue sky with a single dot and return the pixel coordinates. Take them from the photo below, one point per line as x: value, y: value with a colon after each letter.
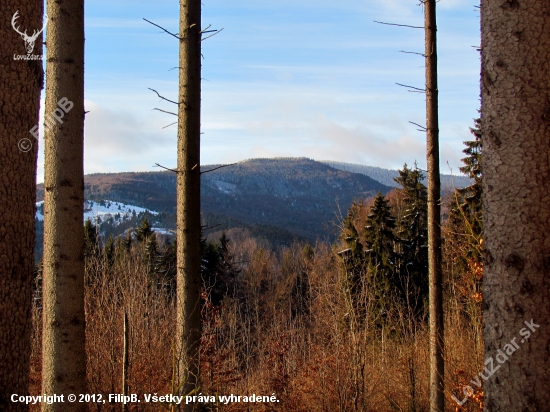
x: 284, y: 78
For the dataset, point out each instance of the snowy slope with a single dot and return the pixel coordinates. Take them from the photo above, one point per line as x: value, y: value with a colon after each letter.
x: 98, y: 212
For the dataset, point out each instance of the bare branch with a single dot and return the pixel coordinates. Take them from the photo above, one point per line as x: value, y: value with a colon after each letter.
x: 400, y: 25
x: 170, y: 125
x: 163, y: 29
x: 216, y: 32
x: 205, y: 29
x: 219, y: 167
x: 166, y: 168
x: 408, y: 52
x: 421, y: 127
x: 210, y: 227
x: 164, y: 111
x: 411, y: 87
x: 162, y: 97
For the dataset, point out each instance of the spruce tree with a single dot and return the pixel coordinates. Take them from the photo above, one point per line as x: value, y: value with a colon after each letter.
x: 353, y: 255
x: 151, y: 256
x: 467, y: 208
x: 227, y: 267
x: 20, y: 85
x: 515, y: 124
x: 412, y: 232
x: 188, y: 217
x: 465, y: 228
x: 90, y: 238
x: 144, y: 231
x: 353, y: 258
x: 109, y: 250
x: 380, y: 254
x: 63, y: 318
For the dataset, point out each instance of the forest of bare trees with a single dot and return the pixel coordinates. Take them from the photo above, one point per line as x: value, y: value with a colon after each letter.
x: 425, y: 302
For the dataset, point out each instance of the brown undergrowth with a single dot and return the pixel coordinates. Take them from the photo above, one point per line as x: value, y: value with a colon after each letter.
x: 288, y: 328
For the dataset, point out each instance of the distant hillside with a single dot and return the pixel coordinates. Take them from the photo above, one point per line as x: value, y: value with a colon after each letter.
x: 386, y: 176
x: 280, y: 199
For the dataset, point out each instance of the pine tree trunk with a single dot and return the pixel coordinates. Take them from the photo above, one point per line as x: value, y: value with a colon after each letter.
x: 63, y: 346
x: 515, y: 119
x: 188, y: 197
x: 20, y: 85
x: 437, y: 386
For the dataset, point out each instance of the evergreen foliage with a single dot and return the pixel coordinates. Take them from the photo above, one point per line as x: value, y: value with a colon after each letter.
x: 465, y: 226
x: 380, y: 249
x: 144, y: 231
x: 353, y: 256
x: 412, y: 231
x: 218, y: 269
x: 91, y: 240
x: 467, y: 209
x: 109, y: 250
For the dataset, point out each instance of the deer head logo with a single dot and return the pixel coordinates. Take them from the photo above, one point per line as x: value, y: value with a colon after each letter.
x: 29, y: 40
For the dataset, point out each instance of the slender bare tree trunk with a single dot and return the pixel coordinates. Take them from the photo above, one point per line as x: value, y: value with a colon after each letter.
x: 188, y: 196
x: 515, y: 119
x: 437, y: 366
x: 20, y: 85
x: 63, y: 348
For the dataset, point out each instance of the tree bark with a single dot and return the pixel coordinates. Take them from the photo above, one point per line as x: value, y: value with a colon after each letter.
x: 515, y: 119
x: 63, y: 340
x: 437, y: 365
x: 20, y: 85
x: 188, y: 197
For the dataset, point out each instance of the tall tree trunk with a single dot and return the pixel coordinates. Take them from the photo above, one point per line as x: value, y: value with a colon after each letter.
x: 20, y: 85
x: 63, y: 340
x: 437, y: 366
x: 188, y: 197
x: 515, y: 120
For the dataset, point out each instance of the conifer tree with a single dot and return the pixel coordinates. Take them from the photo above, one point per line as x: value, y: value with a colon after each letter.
x: 63, y: 319
x: 468, y: 210
x: 380, y: 254
x: 515, y: 124
x: 465, y: 228
x: 20, y: 85
x: 151, y: 256
x: 127, y: 242
x: 188, y: 218
x: 109, y: 250
x: 144, y: 231
x: 90, y: 238
x: 353, y: 257
x: 227, y: 267
x: 413, y: 243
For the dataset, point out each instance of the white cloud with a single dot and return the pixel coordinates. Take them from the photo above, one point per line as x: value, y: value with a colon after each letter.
x: 113, y: 132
